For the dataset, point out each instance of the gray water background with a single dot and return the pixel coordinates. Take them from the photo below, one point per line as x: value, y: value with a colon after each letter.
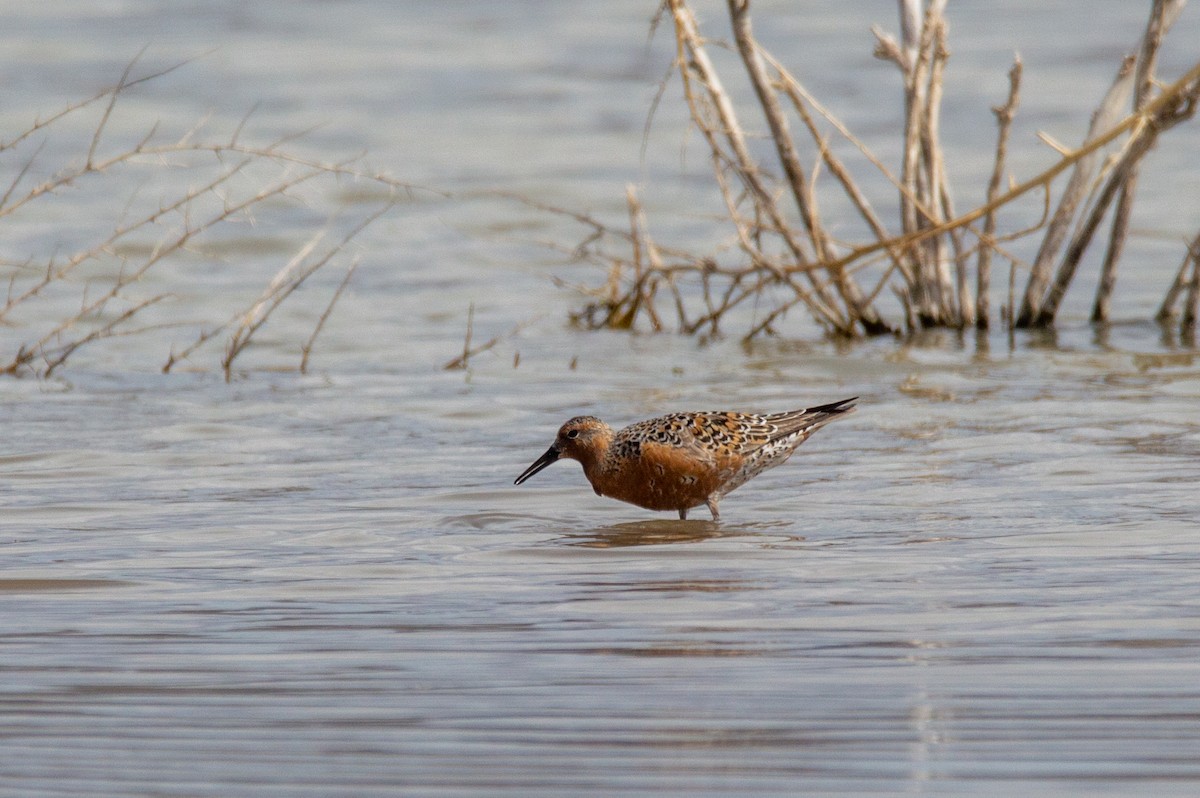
x: 984, y: 582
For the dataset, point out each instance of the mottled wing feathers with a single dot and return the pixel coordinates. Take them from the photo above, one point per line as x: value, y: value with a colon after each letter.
x: 725, y: 433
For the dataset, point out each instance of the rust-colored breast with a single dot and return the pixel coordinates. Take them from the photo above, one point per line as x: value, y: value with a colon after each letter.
x: 662, y: 476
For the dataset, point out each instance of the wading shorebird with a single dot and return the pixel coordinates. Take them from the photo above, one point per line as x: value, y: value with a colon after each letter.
x: 683, y: 460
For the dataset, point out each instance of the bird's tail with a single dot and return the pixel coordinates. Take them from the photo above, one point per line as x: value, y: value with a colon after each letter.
x: 810, y: 419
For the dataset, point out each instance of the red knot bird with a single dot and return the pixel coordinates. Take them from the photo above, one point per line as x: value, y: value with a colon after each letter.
x: 683, y: 460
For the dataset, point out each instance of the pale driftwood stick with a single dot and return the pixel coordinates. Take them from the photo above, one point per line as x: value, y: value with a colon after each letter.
x: 935, y: 168
x: 1116, y: 247
x: 835, y: 165
x: 688, y: 41
x: 1104, y: 118
x: 821, y: 303
x: 1190, y: 307
x: 306, y: 350
x: 964, y: 313
x: 965, y: 310
x: 1169, y: 95
x: 915, y: 87
x: 924, y: 189
x: 1087, y: 229
x: 911, y: 16
x: 645, y: 276
x: 1190, y: 259
x: 859, y: 309
x: 1142, y: 141
x: 776, y: 121
x: 983, y: 270
x: 1011, y: 307
x: 910, y: 315
x: 1162, y: 16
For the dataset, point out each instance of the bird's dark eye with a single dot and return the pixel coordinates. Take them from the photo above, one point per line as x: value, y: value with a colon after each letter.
x: 574, y: 433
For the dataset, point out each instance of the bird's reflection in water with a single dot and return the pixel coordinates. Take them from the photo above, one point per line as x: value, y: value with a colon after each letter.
x: 657, y: 532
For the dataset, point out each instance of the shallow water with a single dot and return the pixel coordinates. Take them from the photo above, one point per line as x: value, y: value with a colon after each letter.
x: 983, y: 582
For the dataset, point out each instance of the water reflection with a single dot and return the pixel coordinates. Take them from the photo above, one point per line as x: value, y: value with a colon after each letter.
x: 55, y: 585
x: 654, y: 532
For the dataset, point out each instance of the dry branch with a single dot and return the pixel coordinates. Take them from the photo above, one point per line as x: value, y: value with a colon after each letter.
x: 1185, y: 280
x: 859, y: 309
x: 714, y: 115
x: 1162, y: 16
x: 463, y: 361
x: 925, y: 264
x: 294, y: 274
x: 306, y: 350
x: 983, y: 268
x: 231, y: 181
x: 1083, y: 173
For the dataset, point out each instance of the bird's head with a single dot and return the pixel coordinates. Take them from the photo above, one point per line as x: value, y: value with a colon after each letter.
x: 583, y: 438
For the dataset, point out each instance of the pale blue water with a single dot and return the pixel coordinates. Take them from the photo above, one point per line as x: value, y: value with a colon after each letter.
x: 982, y: 583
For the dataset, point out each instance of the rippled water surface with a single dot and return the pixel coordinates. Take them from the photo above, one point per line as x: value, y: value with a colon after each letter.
x: 984, y: 582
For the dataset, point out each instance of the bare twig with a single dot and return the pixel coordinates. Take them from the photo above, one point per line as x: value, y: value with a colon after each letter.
x: 112, y: 265
x: 1162, y: 15
x: 463, y: 360
x: 1171, y: 94
x: 929, y: 257
x: 1142, y: 140
x: 1004, y: 118
x: 693, y: 58
x: 1104, y: 118
x: 289, y: 278
x: 1191, y: 259
x: 859, y: 308
x: 1192, y: 303
x: 306, y: 350
x: 62, y: 353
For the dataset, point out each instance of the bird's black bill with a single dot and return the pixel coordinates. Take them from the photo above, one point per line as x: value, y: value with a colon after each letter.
x: 546, y: 459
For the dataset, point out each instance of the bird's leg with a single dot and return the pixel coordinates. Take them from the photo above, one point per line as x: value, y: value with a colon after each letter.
x: 712, y: 508
x: 683, y: 515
